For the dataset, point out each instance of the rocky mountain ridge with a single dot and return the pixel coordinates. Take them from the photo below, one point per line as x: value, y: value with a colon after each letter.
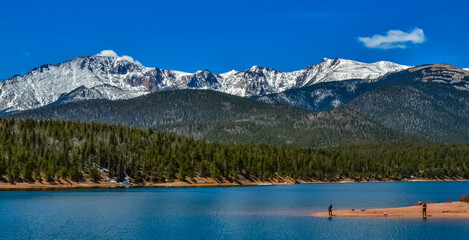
x: 108, y: 76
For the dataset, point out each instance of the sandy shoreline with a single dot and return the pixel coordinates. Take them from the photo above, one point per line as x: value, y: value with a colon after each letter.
x: 434, y: 210
x: 195, y: 182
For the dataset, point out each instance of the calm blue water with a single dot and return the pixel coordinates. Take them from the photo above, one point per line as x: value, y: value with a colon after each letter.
x: 264, y: 212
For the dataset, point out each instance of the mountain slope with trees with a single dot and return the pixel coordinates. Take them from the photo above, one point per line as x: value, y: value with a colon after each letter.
x: 429, y: 101
x: 215, y: 116
x: 54, y: 150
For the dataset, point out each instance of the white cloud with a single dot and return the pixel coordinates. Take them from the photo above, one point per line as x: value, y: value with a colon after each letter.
x: 111, y: 53
x: 394, y: 39
x: 128, y: 58
x: 107, y: 53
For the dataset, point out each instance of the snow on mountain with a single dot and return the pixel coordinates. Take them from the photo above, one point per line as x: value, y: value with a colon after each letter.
x: 109, y: 76
x: 44, y: 85
x: 261, y: 80
x: 341, y: 69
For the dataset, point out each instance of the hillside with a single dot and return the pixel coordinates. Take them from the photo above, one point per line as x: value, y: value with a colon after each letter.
x: 214, y: 116
x: 320, y: 97
x: 429, y: 101
x: 54, y: 151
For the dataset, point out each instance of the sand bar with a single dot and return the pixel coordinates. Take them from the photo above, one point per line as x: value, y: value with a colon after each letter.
x: 434, y: 210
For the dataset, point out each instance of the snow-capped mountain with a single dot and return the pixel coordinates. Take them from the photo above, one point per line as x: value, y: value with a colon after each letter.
x: 261, y: 80
x: 108, y: 76
x: 328, y: 95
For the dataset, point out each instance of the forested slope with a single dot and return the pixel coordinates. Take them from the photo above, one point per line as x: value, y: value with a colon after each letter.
x: 50, y: 150
x: 224, y: 118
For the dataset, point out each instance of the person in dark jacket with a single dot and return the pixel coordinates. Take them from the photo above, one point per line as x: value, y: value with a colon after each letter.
x: 424, y: 210
x: 330, y: 210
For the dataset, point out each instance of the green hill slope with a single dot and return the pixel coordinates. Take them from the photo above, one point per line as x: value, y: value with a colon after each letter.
x: 220, y: 117
x: 429, y: 101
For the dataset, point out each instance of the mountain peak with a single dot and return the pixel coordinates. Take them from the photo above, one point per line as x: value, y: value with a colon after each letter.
x: 256, y: 67
x: 441, y: 73
x: 336, y: 59
x: 228, y: 74
x: 324, y: 59
x: 436, y: 67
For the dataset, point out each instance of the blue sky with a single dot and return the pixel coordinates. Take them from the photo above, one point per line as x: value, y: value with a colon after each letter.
x: 226, y: 35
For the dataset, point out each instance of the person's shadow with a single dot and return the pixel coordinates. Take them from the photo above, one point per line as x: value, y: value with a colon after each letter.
x: 330, y: 218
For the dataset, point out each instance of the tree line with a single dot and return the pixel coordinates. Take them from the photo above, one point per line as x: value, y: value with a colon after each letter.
x: 49, y: 150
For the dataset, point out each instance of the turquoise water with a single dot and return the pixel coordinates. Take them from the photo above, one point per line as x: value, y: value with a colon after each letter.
x: 263, y: 212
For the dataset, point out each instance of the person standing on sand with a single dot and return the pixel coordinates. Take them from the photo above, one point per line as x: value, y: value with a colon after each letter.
x: 330, y: 210
x: 424, y: 210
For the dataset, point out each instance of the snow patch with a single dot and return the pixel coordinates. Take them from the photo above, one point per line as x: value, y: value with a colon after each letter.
x: 336, y: 102
x: 321, y: 94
